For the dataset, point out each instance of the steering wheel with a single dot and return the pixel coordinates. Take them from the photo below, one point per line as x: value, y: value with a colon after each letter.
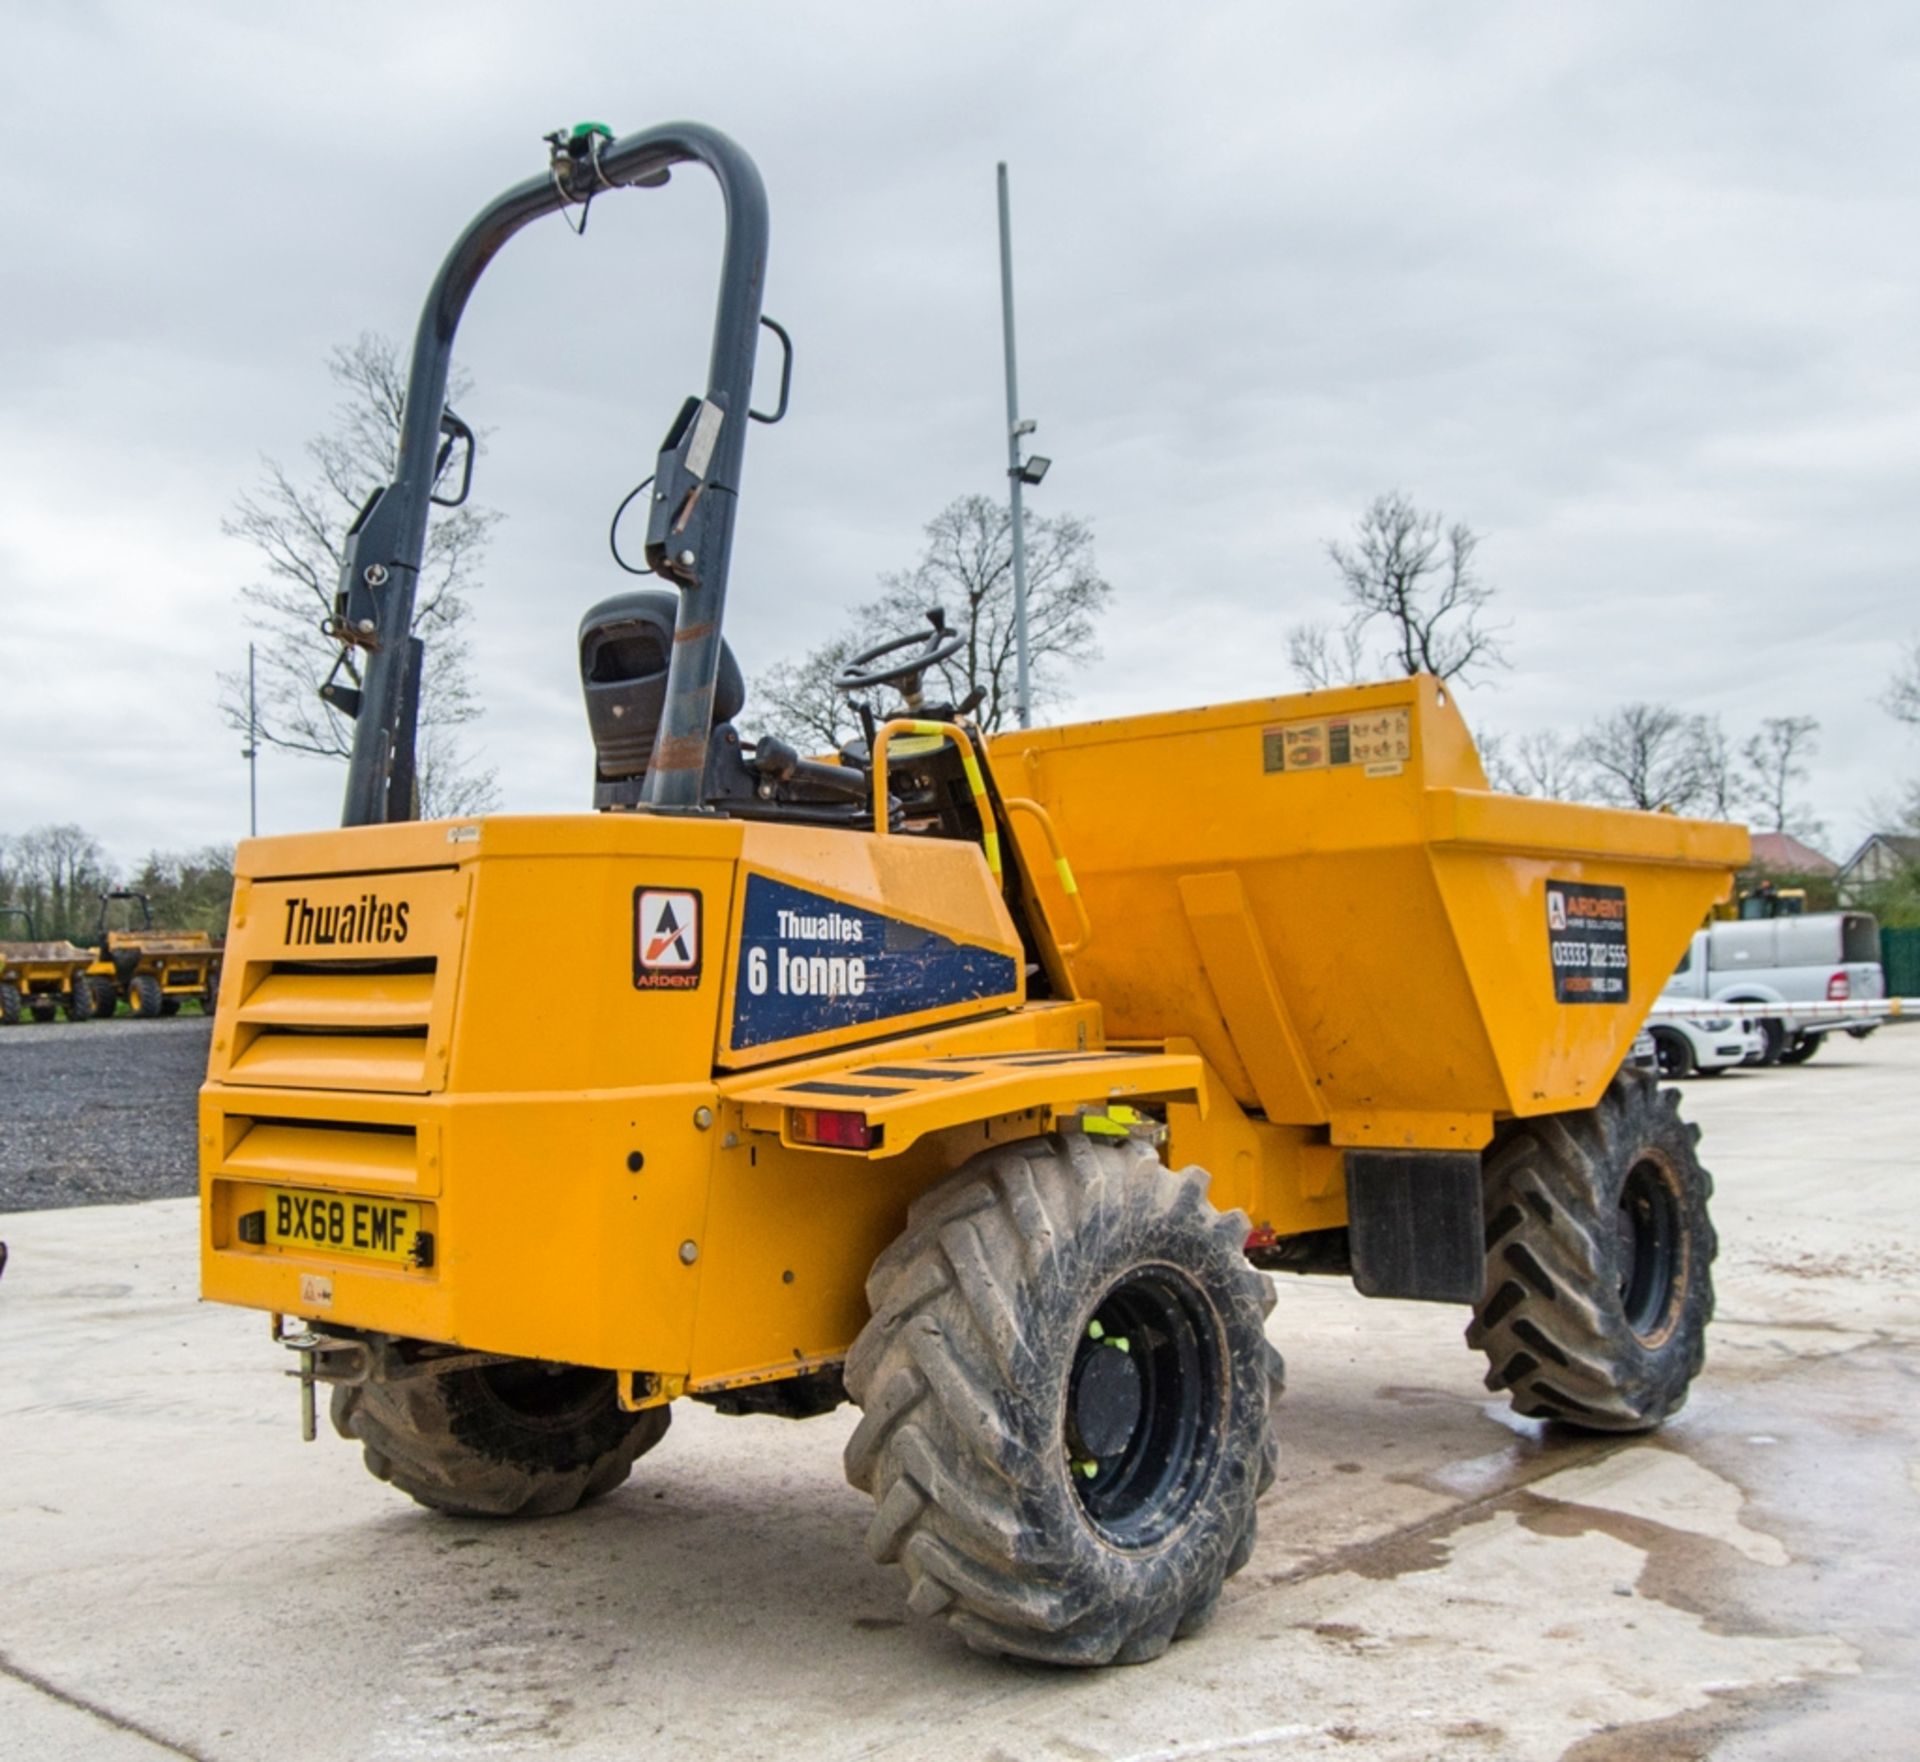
x: 939, y: 644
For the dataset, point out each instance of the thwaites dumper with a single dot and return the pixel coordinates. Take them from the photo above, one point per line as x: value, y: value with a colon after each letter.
x: 969, y: 1080
x: 40, y: 977
x: 154, y: 970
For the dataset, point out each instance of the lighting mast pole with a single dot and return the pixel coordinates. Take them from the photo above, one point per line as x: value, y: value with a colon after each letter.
x: 1022, y: 697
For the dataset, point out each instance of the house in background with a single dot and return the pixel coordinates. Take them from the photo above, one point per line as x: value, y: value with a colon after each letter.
x: 1885, y: 857
x: 1782, y: 864
x: 1780, y: 853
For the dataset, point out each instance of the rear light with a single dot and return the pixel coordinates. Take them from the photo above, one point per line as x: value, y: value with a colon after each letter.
x: 841, y: 1131
x: 1839, y: 988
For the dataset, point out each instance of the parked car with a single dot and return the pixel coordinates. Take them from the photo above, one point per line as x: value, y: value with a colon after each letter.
x: 1687, y: 1048
x: 1822, y: 957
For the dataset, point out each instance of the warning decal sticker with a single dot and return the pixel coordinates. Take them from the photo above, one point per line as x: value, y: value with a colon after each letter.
x: 1587, y: 938
x: 1378, y: 742
x: 810, y: 964
x: 666, y: 939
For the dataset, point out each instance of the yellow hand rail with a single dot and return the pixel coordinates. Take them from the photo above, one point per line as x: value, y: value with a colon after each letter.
x: 1061, y: 867
x: 989, y: 833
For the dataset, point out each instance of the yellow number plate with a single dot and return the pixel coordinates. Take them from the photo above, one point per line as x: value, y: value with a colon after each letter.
x: 340, y: 1223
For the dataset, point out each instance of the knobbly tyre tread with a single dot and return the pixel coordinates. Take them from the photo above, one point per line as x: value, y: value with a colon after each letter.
x: 144, y: 996
x: 78, y: 1003
x: 976, y: 1310
x: 9, y: 1005
x: 1550, y: 1319
x: 106, y: 998
x: 447, y: 1443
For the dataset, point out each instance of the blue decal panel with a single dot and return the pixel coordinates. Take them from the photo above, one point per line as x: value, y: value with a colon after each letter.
x: 809, y: 964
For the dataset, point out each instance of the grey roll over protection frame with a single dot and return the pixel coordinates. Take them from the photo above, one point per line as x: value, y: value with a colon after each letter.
x: 690, y: 531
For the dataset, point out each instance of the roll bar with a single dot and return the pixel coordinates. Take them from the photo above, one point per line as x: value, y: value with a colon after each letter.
x: 696, y: 483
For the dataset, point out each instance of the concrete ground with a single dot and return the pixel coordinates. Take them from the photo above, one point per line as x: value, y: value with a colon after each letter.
x: 1435, y: 1579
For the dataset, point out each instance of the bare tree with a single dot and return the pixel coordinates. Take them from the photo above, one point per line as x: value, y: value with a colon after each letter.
x: 1543, y: 763
x: 1648, y: 756
x: 58, y: 874
x: 1719, y: 782
x: 1774, y: 761
x: 1409, y: 572
x: 298, y: 524
x: 1327, y: 654
x: 966, y: 568
x: 796, y: 699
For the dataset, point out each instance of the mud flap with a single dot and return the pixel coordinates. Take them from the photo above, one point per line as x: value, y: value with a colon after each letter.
x: 1415, y: 1225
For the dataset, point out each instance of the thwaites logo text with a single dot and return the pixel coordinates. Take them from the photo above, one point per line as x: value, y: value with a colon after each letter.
x: 666, y: 939
x: 366, y: 919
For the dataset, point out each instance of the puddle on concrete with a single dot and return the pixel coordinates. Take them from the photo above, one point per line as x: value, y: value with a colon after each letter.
x: 1664, y: 1487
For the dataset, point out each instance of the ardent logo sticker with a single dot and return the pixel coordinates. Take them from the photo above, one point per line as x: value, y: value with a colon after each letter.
x: 366, y: 919
x: 666, y: 938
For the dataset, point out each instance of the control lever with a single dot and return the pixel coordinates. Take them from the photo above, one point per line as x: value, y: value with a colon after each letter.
x: 776, y: 762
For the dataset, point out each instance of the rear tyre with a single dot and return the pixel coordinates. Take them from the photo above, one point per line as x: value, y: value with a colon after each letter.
x: 143, y: 995
x: 1774, y: 1035
x: 106, y: 999
x: 169, y: 1006
x: 1803, y: 1048
x: 522, y: 1439
x: 44, y: 1008
x: 9, y: 1004
x: 1673, y: 1053
x: 210, y: 998
x: 1599, y: 1261
x: 79, y: 1000
x: 1067, y: 1393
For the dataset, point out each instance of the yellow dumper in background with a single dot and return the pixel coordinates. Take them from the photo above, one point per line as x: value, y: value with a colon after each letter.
x: 41, y: 977
x: 971, y: 1080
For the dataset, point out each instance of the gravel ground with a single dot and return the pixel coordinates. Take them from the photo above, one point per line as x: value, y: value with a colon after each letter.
x: 99, y: 1113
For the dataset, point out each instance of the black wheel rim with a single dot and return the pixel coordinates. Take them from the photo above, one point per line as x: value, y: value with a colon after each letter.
x: 1141, y: 1423
x: 1652, y: 1254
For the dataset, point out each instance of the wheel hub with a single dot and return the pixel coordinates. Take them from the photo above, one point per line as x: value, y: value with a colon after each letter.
x: 1144, y: 1407
x: 1103, y: 1403
x: 1647, y: 1228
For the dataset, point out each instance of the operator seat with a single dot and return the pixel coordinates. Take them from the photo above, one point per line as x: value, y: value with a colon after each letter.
x: 625, y: 645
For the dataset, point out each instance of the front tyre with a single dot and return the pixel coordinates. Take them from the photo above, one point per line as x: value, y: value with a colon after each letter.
x: 1066, y: 1387
x: 521, y: 1439
x: 1673, y: 1053
x: 144, y: 996
x: 1599, y: 1261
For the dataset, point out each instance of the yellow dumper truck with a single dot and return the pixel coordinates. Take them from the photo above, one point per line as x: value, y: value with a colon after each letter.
x: 40, y: 977
x: 971, y: 1080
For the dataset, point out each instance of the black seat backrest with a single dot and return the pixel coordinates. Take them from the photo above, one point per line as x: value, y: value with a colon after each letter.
x: 625, y: 645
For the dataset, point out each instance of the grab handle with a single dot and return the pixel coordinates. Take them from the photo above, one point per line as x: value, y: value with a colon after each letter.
x: 1061, y: 867
x: 989, y: 834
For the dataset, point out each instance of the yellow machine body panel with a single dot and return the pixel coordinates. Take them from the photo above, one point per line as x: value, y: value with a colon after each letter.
x: 1322, y: 894
x: 1309, y: 928
x: 42, y: 969
x: 572, y: 1167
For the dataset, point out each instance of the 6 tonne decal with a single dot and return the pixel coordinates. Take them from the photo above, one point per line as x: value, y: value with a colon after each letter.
x: 1587, y: 938
x: 809, y: 964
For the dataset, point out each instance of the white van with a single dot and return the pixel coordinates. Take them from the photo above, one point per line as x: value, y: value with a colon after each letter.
x: 1823, y: 957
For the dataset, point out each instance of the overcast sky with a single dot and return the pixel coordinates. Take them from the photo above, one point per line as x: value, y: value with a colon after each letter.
x: 1634, y: 290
